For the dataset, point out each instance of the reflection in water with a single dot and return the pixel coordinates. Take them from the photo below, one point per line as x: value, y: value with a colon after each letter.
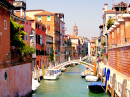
x: 69, y: 84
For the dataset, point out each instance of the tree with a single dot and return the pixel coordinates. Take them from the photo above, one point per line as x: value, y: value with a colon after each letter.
x: 17, y: 34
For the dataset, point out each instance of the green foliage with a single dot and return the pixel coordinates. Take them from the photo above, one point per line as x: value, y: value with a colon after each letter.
x: 17, y: 40
x: 110, y: 22
x: 27, y: 49
x: 52, y: 55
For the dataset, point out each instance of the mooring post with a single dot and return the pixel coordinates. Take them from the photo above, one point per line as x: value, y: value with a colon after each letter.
x: 102, y: 73
x: 113, y: 85
x: 123, y: 92
x: 98, y: 71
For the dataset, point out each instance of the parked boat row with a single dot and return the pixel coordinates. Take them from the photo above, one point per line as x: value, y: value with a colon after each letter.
x: 52, y: 74
x: 94, y: 86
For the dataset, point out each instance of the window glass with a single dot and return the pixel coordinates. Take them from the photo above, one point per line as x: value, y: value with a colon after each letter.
x: 5, y: 24
x: 41, y: 40
x: 48, y: 18
x: 38, y: 26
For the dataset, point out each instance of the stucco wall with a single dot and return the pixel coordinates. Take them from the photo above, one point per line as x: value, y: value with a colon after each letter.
x: 18, y: 82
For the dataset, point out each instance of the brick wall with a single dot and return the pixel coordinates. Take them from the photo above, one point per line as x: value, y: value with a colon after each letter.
x: 119, y: 59
x: 4, y: 34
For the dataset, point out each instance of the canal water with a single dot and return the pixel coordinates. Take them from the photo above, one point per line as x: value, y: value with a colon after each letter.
x: 70, y: 84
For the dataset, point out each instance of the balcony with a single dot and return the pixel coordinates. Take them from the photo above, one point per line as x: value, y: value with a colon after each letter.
x: 57, y: 41
x: 49, y: 41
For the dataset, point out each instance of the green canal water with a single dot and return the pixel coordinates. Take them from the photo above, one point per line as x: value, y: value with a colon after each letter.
x: 70, y: 84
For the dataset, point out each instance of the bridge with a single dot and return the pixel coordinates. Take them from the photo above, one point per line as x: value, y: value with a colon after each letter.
x: 79, y: 61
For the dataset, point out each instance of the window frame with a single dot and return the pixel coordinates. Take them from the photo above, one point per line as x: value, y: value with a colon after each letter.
x: 5, y: 24
x: 48, y: 19
x: 39, y: 19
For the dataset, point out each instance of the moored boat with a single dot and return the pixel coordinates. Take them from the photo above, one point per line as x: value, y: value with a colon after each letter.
x: 63, y: 69
x: 86, y: 73
x: 91, y: 78
x: 96, y: 87
x: 52, y: 74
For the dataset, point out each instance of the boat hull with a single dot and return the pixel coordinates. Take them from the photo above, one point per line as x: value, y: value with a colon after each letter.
x: 51, y: 77
x: 91, y: 78
x: 96, y: 89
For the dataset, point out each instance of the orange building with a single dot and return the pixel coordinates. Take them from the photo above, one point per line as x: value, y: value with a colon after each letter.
x: 93, y: 46
x: 52, y: 22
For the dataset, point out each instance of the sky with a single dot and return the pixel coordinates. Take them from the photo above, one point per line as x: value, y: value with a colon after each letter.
x: 87, y: 14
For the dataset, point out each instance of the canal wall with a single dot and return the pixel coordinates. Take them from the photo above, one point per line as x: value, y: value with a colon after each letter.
x: 118, y: 83
x: 16, y: 81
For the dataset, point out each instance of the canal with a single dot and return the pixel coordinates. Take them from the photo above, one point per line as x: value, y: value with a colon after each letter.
x: 69, y: 84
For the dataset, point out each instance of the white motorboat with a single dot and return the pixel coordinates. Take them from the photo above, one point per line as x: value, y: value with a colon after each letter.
x: 52, y: 74
x: 59, y: 72
x: 86, y: 73
x: 35, y: 84
x: 63, y: 69
x: 91, y: 78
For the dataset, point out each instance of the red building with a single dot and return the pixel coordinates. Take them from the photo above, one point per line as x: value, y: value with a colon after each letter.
x: 5, y: 8
x: 40, y: 43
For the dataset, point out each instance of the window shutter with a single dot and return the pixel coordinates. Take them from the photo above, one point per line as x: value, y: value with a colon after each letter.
x: 38, y: 39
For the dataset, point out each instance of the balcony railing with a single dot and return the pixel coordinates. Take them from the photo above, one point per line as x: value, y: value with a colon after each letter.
x: 57, y: 41
x: 49, y: 41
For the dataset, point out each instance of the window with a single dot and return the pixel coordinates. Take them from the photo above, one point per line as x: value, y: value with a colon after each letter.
x: 27, y: 36
x: 42, y: 28
x: 39, y: 18
x: 50, y: 50
x: 38, y: 26
x: 47, y: 50
x: 109, y: 17
x: 41, y: 40
x: 48, y: 27
x: 5, y: 24
x: 48, y: 18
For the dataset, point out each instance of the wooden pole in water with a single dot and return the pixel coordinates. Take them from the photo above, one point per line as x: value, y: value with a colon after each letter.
x: 123, y: 92
x: 113, y: 85
x: 95, y: 65
x: 98, y: 71
x: 102, y: 75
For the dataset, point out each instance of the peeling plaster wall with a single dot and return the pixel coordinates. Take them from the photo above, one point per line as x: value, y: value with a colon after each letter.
x: 19, y: 80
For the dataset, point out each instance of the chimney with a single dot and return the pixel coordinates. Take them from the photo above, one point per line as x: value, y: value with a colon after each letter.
x: 105, y: 6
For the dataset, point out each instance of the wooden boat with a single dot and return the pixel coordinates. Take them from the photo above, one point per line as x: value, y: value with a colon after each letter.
x: 52, y: 74
x: 86, y: 73
x: 96, y: 87
x: 91, y: 78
